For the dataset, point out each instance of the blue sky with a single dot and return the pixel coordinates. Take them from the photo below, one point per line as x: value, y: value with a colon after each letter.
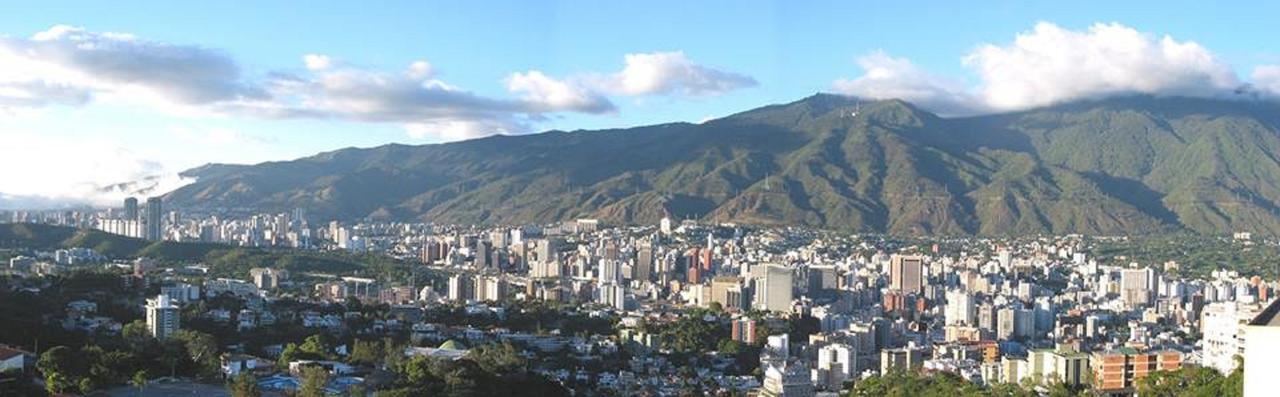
x: 734, y: 56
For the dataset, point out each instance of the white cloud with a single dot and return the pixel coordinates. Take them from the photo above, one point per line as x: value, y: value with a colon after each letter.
x: 671, y: 73
x: 73, y: 66
x: 1049, y: 65
x: 460, y: 129
x: 77, y: 62
x: 84, y: 172
x: 645, y: 74
x: 1267, y: 78
x: 36, y: 93
x: 887, y: 77
x: 420, y: 70
x: 546, y: 94
x: 316, y: 61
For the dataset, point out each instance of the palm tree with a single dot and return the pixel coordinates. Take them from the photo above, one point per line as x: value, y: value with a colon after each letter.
x: 140, y: 380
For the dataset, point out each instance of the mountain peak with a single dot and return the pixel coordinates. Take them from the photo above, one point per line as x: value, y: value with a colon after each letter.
x: 1114, y: 166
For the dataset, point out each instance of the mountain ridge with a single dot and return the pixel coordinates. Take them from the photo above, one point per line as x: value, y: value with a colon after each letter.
x: 1124, y: 165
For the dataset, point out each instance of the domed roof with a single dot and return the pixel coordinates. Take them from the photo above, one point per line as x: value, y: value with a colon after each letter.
x: 452, y: 345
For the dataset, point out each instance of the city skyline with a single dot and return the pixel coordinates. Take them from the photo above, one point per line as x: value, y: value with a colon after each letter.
x: 121, y: 97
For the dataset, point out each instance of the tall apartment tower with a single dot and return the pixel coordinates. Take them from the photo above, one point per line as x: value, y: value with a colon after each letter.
x: 906, y: 273
x: 644, y: 263
x: 131, y: 208
x: 162, y: 317
x: 154, y: 220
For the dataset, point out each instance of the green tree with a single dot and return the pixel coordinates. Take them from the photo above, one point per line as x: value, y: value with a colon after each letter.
x: 501, y: 358
x: 56, y: 383
x: 87, y: 385
x: 366, y: 352
x: 139, y: 380
x: 393, y: 353
x: 1189, y: 381
x: 314, y: 380
x: 135, y: 331
x: 315, y: 348
x: 202, y: 349
x: 62, y: 369
x: 288, y: 355
x: 244, y: 385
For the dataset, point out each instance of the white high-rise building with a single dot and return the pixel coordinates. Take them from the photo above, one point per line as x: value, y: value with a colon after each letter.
x: 162, y: 317
x: 610, y: 271
x: 613, y: 295
x: 773, y: 289
x: 961, y: 309
x: 1222, y: 325
x: 460, y: 288
x: 790, y: 380
x: 1137, y: 286
x: 1262, y: 353
x: 835, y: 365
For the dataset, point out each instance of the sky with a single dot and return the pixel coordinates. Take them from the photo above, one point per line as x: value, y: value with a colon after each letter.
x: 94, y: 94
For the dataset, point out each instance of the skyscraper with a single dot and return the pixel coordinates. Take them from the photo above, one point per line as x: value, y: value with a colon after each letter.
x: 154, y: 220
x: 906, y: 273
x: 1137, y: 286
x: 960, y: 309
x: 644, y: 263
x: 773, y: 289
x: 131, y: 208
x: 162, y: 317
x: 835, y: 365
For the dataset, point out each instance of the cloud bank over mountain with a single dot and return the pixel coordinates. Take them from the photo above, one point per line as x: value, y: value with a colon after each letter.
x: 1051, y: 64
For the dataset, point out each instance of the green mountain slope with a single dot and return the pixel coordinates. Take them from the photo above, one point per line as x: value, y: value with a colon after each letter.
x: 1115, y: 166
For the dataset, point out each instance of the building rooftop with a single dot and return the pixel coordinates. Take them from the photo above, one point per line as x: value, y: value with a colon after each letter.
x: 1268, y: 317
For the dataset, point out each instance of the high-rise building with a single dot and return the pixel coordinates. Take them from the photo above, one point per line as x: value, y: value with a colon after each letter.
x: 1066, y: 367
x: 613, y: 295
x: 154, y: 220
x: 1262, y: 352
x: 547, y: 250
x: 162, y: 317
x: 727, y: 291
x: 490, y: 288
x: 610, y: 271
x: 906, y: 273
x: 482, y: 259
x: 1137, y: 286
x: 835, y: 365
x: 461, y: 287
x: 904, y: 359
x: 1005, y: 323
x: 790, y: 380
x: 773, y: 289
x: 267, y: 278
x: 644, y: 263
x: 131, y: 208
x: 1222, y: 325
x: 743, y: 330
x: 960, y: 309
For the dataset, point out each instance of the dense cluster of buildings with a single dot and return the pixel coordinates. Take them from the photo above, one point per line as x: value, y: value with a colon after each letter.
x: 1019, y: 310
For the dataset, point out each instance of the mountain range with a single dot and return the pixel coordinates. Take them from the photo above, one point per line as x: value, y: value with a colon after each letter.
x: 1121, y: 165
